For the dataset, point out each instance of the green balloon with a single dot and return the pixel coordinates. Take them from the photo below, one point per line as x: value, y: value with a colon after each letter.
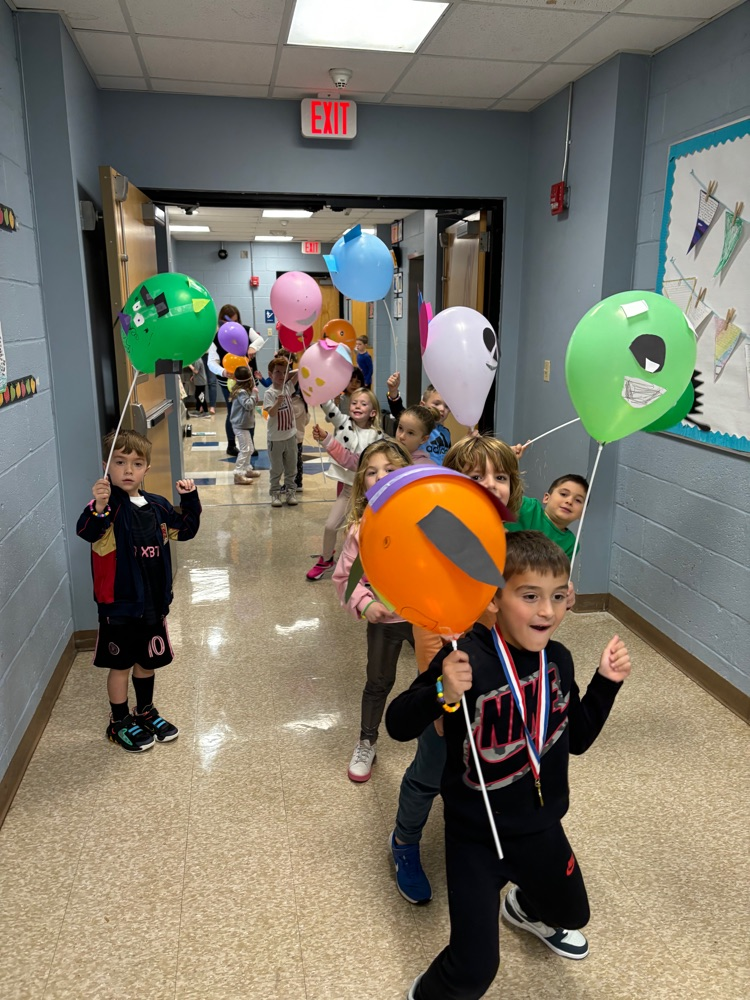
x: 169, y: 317
x: 628, y: 363
x: 679, y: 411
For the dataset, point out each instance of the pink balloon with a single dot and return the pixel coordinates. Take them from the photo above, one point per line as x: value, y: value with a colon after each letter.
x: 460, y: 358
x: 293, y: 341
x: 296, y: 299
x: 324, y: 371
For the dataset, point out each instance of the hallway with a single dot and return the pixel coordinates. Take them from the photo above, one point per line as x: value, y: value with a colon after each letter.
x: 250, y: 868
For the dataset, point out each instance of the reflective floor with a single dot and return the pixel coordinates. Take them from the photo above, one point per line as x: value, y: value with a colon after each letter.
x: 240, y: 863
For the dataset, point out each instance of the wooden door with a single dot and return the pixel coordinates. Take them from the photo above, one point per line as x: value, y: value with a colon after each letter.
x: 131, y: 258
x: 331, y: 308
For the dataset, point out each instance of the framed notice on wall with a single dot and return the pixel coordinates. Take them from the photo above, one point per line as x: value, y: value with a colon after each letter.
x: 704, y: 267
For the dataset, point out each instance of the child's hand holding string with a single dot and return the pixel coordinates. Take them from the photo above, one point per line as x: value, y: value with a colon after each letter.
x: 615, y: 661
x: 519, y: 449
x: 376, y: 613
x: 184, y: 485
x: 456, y: 676
x: 318, y: 433
x: 101, y: 490
x: 393, y: 382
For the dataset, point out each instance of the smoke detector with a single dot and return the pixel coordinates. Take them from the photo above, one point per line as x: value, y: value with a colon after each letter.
x: 340, y: 77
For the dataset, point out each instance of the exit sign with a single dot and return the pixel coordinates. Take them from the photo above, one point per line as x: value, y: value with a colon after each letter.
x: 328, y: 119
x: 309, y: 247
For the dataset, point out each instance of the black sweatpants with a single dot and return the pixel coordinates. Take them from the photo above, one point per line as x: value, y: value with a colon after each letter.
x: 546, y: 871
x: 384, y: 642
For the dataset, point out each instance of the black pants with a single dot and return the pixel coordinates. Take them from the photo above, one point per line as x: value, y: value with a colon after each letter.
x: 384, y: 642
x: 231, y: 439
x: 298, y: 477
x: 546, y: 871
x: 201, y: 398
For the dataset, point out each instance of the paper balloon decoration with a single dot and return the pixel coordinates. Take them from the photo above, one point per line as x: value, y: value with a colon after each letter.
x: 629, y: 361
x: 233, y: 338
x: 361, y: 266
x: 231, y: 362
x: 341, y: 331
x: 432, y: 543
x: 293, y: 341
x: 296, y: 299
x: 460, y: 357
x: 324, y: 371
x: 168, y: 317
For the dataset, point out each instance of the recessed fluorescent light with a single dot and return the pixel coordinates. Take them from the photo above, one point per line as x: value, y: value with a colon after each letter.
x: 286, y: 213
x: 190, y: 229
x: 383, y: 25
x: 273, y: 239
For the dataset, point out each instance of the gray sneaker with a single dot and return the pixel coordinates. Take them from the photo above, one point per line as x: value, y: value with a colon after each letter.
x: 291, y: 498
x: 276, y: 500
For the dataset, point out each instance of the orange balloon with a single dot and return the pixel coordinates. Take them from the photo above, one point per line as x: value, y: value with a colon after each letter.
x: 423, y: 584
x: 232, y: 362
x: 341, y: 331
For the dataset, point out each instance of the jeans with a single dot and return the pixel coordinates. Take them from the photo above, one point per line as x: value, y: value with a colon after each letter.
x: 419, y: 786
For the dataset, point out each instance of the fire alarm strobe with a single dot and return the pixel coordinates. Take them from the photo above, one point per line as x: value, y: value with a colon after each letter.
x: 557, y: 198
x: 254, y: 281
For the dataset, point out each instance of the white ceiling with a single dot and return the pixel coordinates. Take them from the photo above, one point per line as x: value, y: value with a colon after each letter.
x: 487, y: 54
x: 243, y: 224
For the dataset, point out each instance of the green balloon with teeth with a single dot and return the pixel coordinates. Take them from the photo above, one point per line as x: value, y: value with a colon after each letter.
x: 628, y: 362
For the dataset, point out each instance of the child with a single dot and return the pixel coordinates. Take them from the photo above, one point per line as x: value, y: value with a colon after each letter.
x: 386, y: 632
x: 493, y: 464
x: 357, y: 381
x: 561, y: 505
x: 129, y: 531
x: 415, y: 426
x: 200, y: 385
x: 528, y: 802
x: 353, y: 432
x: 282, y: 431
x: 363, y: 359
x: 243, y: 398
x: 301, y: 420
x: 440, y: 438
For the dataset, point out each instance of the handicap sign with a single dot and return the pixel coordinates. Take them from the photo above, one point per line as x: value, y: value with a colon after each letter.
x: 270, y: 318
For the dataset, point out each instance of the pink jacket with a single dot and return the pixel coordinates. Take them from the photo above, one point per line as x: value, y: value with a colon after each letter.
x: 361, y: 595
x: 349, y: 460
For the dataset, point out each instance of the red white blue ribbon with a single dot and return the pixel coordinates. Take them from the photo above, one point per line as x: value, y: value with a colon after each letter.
x: 536, y: 736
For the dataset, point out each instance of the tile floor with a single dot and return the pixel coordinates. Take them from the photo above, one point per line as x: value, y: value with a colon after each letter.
x: 239, y: 863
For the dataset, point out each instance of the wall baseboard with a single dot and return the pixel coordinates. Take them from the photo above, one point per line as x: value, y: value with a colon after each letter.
x: 85, y: 639
x: 586, y: 603
x: 11, y: 780
x: 719, y: 688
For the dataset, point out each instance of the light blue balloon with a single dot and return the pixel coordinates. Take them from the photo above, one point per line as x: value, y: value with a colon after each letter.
x: 361, y: 266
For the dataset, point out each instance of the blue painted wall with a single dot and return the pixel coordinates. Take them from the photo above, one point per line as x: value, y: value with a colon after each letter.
x: 682, y: 524
x: 35, y: 600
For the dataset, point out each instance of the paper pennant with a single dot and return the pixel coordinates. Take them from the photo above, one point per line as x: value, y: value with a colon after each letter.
x: 706, y: 212
x: 698, y: 313
x: 727, y: 336
x: 732, y: 233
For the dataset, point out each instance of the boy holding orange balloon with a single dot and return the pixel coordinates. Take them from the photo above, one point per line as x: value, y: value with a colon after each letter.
x: 527, y: 717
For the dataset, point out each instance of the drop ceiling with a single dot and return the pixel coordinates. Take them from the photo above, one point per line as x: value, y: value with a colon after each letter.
x: 481, y: 54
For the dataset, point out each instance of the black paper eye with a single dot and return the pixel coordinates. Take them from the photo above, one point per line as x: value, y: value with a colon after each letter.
x: 650, y: 352
x: 490, y: 342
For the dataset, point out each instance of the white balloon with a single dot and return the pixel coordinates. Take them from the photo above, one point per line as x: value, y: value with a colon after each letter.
x: 461, y: 358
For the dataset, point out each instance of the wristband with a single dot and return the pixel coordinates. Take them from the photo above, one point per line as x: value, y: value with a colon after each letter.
x: 362, y: 612
x: 105, y: 513
x: 441, y: 698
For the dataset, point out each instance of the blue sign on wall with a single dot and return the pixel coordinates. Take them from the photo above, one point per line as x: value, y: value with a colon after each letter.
x: 270, y: 318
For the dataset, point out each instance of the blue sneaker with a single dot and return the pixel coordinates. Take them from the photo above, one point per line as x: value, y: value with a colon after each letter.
x: 411, y: 880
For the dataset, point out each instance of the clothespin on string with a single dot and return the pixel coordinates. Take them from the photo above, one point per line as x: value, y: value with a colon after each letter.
x: 731, y: 313
x: 737, y: 211
x: 712, y: 185
x: 700, y: 296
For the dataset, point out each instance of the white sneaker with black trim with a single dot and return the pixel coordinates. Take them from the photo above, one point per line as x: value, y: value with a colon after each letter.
x: 568, y: 944
x: 360, y: 766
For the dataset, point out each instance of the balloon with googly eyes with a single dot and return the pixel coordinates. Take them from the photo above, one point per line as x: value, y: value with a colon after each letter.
x: 629, y: 362
x: 168, y: 321
x: 460, y: 355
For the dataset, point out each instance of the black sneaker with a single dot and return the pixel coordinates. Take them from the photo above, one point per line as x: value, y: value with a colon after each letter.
x: 128, y: 734
x: 153, y: 723
x: 232, y: 449
x: 567, y: 944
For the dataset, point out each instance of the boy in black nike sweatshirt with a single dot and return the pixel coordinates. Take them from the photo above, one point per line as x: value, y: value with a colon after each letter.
x: 521, y: 694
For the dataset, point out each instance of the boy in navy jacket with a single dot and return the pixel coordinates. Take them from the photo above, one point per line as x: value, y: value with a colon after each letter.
x: 130, y: 531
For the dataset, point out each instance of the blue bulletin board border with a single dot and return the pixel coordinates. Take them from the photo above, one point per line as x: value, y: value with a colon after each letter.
x: 727, y: 133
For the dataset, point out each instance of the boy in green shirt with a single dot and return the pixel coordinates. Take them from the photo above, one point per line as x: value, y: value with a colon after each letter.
x: 560, y: 506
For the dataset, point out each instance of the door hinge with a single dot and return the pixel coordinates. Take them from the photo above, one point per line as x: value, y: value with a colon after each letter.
x: 121, y: 186
x: 484, y: 242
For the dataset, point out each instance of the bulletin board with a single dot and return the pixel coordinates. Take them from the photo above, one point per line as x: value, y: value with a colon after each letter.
x: 704, y: 266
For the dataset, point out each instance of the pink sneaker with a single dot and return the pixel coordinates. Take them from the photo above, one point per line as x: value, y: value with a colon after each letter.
x: 321, y: 566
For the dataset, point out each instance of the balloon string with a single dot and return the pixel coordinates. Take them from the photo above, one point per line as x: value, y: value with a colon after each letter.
x: 393, y: 334
x: 320, y: 449
x: 482, y: 785
x: 558, y: 428
x: 136, y: 373
x: 585, y: 508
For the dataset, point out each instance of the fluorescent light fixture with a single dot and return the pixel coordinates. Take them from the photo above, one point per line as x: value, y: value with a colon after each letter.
x: 190, y: 229
x: 286, y: 213
x: 383, y: 25
x: 273, y: 239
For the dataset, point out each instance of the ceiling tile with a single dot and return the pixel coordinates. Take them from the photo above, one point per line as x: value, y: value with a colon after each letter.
x: 508, y: 104
x: 307, y: 68
x: 702, y: 9
x: 589, y: 6
x: 434, y: 101
x: 481, y: 31
x: 219, y: 62
x: 91, y: 15
x: 548, y: 81
x: 121, y: 82
x: 109, y: 54
x: 210, y: 89
x: 295, y: 94
x: 464, y: 77
x: 256, y: 21
x: 627, y: 33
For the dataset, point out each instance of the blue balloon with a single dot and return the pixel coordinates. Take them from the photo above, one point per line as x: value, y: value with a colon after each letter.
x: 361, y: 266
